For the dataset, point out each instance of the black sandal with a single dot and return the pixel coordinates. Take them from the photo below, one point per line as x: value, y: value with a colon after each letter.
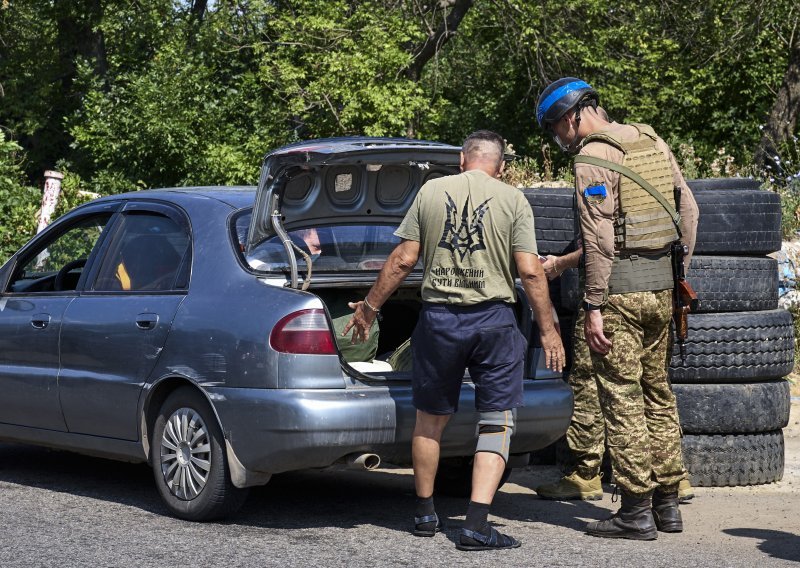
x: 493, y: 541
x: 427, y: 520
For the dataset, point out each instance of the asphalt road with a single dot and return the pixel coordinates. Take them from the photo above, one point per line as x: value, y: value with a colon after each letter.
x: 60, y: 509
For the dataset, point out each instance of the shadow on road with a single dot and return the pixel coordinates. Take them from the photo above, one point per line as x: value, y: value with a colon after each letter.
x: 126, y: 483
x: 778, y: 544
x: 297, y: 500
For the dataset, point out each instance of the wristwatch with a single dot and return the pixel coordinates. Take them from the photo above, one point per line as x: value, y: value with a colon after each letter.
x: 587, y: 307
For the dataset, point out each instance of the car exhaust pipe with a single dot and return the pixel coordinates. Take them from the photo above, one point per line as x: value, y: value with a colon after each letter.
x: 362, y: 461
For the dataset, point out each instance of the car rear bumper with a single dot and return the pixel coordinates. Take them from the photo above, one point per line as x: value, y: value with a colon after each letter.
x: 277, y: 430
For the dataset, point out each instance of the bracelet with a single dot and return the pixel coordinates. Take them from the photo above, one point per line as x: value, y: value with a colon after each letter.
x: 371, y: 307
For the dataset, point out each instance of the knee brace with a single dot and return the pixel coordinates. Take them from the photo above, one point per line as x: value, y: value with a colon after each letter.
x: 494, y: 432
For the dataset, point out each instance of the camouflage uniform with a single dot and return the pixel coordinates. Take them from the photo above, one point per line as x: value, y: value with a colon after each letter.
x: 643, y: 433
x: 586, y: 433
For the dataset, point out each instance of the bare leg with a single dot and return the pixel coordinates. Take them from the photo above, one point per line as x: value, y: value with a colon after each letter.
x: 487, y: 469
x: 425, y: 450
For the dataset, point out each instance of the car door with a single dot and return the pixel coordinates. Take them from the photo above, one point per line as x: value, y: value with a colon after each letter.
x: 43, y: 282
x: 113, y: 333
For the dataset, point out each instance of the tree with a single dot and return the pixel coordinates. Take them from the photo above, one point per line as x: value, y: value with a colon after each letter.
x: 782, y: 120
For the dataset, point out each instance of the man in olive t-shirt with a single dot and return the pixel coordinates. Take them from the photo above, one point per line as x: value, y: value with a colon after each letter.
x: 453, y: 218
x: 468, y: 228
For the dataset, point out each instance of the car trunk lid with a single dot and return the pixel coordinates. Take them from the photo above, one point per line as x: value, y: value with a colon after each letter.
x: 344, y: 180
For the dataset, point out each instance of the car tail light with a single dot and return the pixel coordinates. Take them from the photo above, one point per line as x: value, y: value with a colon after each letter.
x: 303, y: 332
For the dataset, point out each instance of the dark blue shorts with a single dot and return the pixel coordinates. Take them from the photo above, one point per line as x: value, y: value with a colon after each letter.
x: 484, y: 339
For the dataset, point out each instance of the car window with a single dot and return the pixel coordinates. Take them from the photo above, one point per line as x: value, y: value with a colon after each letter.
x: 331, y: 248
x: 147, y: 253
x: 58, y: 264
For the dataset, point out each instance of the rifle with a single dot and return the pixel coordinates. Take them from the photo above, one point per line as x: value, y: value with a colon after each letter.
x: 684, y: 298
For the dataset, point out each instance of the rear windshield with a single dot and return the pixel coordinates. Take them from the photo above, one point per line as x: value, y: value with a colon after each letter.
x: 331, y: 248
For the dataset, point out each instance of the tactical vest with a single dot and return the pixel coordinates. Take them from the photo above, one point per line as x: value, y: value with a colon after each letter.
x: 645, y: 223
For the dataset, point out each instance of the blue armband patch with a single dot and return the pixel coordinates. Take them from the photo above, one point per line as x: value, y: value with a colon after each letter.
x: 595, y: 193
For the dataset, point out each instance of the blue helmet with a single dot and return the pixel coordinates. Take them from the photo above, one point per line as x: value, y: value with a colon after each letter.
x: 561, y: 96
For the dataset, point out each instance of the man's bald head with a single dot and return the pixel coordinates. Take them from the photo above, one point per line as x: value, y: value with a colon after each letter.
x: 483, y: 148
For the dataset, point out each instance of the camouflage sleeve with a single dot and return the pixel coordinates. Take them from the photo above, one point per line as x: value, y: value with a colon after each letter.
x: 597, y: 193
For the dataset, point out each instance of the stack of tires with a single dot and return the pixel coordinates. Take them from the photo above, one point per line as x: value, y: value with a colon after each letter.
x: 728, y: 378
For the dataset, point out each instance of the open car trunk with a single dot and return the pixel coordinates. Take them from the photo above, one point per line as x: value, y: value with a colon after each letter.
x: 387, y: 354
x: 538, y: 423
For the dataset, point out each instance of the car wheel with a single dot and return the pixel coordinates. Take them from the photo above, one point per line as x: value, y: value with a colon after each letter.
x: 454, y: 478
x: 189, y: 461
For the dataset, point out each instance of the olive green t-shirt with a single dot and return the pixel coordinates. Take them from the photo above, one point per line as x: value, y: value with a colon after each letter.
x: 469, y: 226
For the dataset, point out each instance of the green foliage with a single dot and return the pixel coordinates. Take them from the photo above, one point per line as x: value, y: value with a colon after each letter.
x: 254, y: 77
x: 790, y: 209
x: 144, y: 94
x: 18, y: 203
x: 784, y: 177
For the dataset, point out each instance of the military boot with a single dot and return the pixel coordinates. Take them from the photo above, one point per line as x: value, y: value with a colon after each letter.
x: 666, y: 513
x: 633, y: 521
x: 685, y: 491
x: 572, y: 486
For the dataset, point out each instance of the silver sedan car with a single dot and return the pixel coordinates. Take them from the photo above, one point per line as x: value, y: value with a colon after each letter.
x: 197, y: 328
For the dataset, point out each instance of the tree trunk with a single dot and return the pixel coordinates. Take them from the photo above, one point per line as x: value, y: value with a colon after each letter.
x: 425, y: 51
x: 783, y: 117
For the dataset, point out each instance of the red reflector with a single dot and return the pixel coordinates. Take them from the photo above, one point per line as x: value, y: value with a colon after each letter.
x: 305, y: 332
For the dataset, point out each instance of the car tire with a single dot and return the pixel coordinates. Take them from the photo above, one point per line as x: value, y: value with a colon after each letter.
x: 746, y: 408
x: 738, y: 221
x: 454, y: 477
x: 735, y: 347
x: 194, y: 482
x: 734, y: 460
x: 734, y: 283
x: 552, y: 211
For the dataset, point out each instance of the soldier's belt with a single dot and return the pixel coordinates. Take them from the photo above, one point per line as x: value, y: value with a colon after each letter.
x: 640, y: 273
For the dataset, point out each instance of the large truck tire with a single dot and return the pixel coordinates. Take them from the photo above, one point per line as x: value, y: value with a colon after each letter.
x: 553, y: 218
x: 734, y: 283
x: 734, y: 460
x: 735, y: 347
x: 738, y: 222
x: 723, y: 183
x: 747, y: 408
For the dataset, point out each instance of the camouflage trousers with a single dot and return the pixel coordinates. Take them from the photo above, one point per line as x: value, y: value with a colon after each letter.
x: 586, y: 436
x: 641, y: 418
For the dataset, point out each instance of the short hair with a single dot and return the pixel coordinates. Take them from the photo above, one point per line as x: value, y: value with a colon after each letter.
x: 484, y: 146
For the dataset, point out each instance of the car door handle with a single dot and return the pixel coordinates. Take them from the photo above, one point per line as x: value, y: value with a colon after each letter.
x: 147, y: 321
x: 40, y: 321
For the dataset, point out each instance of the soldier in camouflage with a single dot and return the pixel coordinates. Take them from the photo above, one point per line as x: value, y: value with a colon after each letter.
x: 627, y: 185
x: 586, y: 434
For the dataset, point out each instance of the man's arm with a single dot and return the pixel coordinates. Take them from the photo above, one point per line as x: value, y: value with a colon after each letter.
x: 555, y: 265
x: 399, y: 264
x: 534, y: 283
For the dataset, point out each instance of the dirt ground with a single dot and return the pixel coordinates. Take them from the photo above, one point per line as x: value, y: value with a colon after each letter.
x: 744, y: 520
